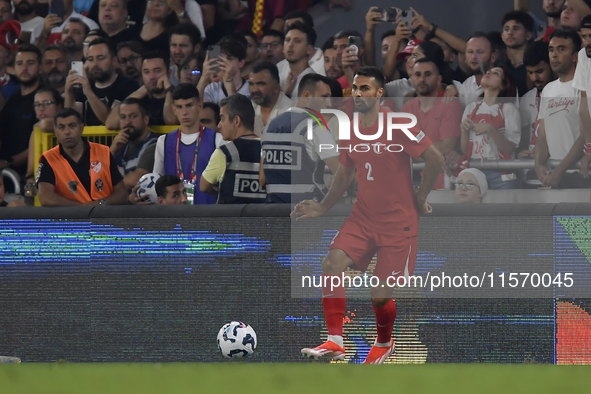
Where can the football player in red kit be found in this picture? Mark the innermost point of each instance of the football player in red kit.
(384, 219)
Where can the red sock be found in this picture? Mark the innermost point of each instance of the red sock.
(385, 317)
(334, 304)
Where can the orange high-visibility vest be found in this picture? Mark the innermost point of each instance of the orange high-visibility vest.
(101, 185)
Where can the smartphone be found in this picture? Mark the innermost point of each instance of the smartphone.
(214, 51)
(388, 14)
(541, 29)
(57, 7)
(406, 16)
(355, 43)
(78, 67)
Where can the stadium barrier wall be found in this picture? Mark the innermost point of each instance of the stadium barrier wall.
(155, 284)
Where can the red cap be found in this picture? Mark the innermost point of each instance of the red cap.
(408, 50)
(9, 33)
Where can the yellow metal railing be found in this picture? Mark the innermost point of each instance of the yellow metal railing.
(99, 134)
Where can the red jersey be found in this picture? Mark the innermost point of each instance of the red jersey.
(385, 201)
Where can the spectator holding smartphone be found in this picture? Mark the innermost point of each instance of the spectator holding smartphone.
(373, 18)
(50, 32)
(228, 67)
(398, 44)
(348, 56)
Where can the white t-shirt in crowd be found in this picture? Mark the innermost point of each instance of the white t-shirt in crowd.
(283, 103)
(316, 62)
(214, 92)
(283, 80)
(582, 79)
(186, 139)
(469, 91)
(484, 146)
(559, 108)
(528, 110)
(32, 24)
(398, 89)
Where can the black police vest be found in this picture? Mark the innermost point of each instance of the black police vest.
(241, 180)
(289, 170)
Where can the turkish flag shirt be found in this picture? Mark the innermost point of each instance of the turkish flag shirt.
(385, 201)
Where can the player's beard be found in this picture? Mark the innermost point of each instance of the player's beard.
(364, 104)
(588, 51)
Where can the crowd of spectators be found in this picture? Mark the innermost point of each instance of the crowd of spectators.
(223, 70)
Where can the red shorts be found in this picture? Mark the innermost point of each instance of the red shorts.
(396, 255)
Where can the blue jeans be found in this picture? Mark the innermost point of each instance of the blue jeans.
(493, 178)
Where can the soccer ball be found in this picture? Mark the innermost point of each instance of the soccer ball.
(237, 340)
(148, 187)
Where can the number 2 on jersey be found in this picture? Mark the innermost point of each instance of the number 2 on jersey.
(368, 167)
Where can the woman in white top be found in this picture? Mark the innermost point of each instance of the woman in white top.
(491, 127)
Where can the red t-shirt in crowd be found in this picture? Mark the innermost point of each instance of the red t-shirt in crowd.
(385, 201)
(440, 122)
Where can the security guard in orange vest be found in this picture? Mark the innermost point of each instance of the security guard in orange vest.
(77, 172)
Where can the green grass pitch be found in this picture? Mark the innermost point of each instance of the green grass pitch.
(292, 378)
